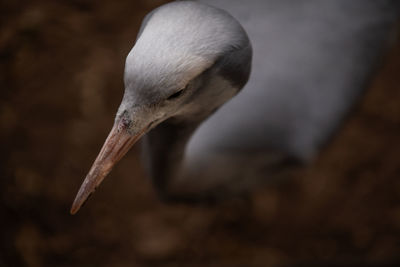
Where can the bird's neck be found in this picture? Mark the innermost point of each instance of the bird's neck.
(163, 149)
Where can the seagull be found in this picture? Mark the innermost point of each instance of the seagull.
(227, 95)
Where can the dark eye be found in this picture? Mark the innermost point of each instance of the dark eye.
(175, 95)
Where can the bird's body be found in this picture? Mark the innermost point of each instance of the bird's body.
(311, 61)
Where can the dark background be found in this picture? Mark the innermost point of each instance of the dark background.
(61, 67)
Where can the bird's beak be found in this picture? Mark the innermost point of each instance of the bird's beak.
(117, 144)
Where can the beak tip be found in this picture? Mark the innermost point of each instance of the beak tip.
(80, 199)
(74, 208)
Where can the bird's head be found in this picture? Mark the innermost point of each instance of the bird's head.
(189, 58)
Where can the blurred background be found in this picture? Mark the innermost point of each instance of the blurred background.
(61, 68)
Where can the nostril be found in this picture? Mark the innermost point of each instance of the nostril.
(125, 121)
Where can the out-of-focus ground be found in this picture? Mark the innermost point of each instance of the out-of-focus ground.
(61, 65)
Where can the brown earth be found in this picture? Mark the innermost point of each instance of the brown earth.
(61, 83)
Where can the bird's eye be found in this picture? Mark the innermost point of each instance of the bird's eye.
(175, 95)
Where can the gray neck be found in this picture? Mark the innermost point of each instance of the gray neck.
(163, 149)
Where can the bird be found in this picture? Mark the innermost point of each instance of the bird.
(226, 95)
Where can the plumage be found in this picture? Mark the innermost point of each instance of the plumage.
(205, 135)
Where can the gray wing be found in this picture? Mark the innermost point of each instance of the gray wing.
(311, 62)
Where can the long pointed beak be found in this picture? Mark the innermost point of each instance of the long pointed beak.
(117, 144)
